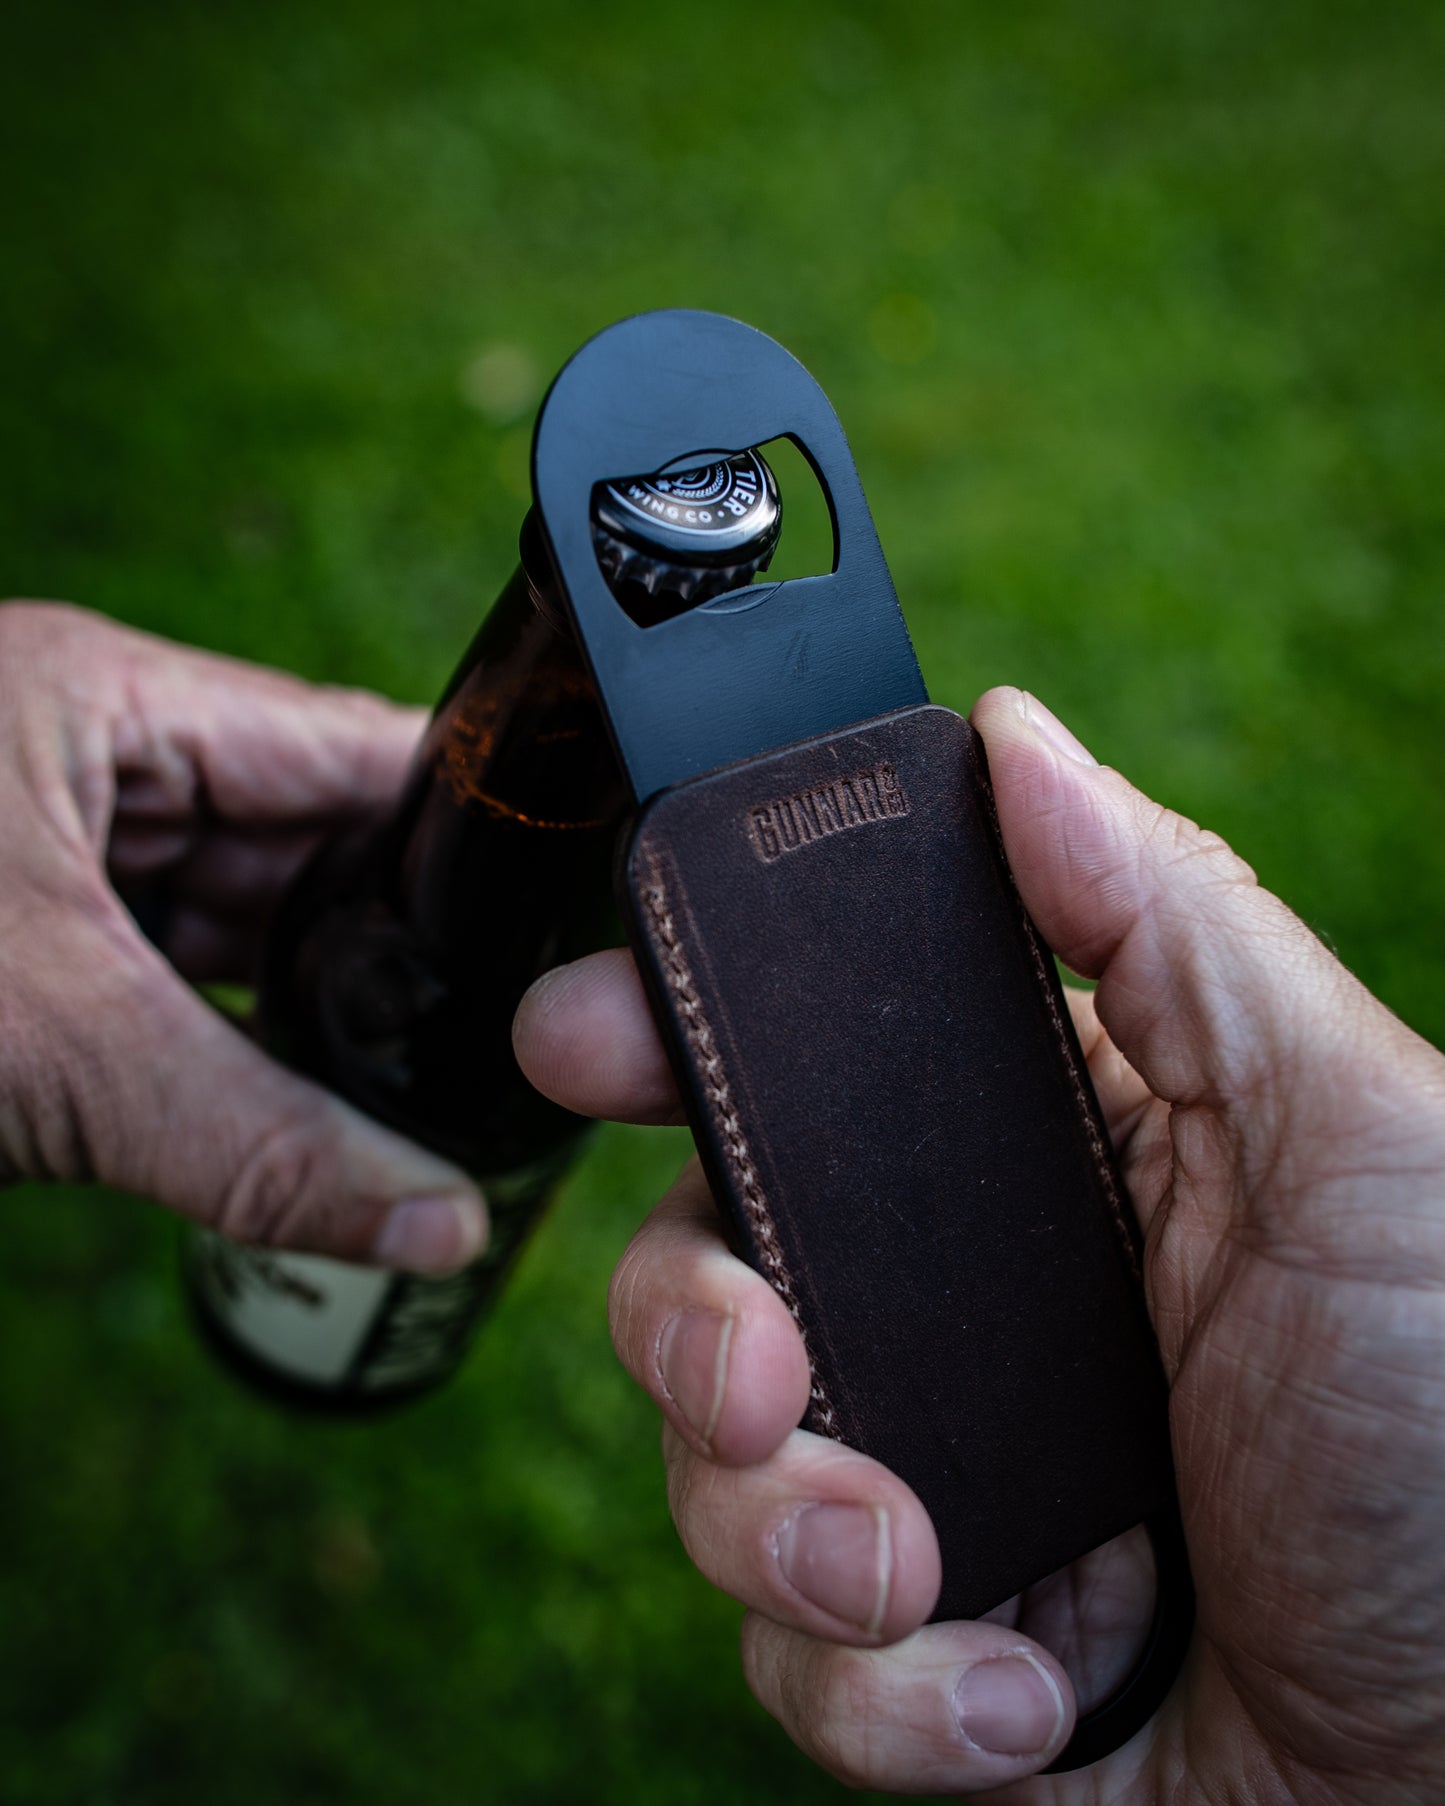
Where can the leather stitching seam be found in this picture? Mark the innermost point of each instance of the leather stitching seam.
(707, 1063)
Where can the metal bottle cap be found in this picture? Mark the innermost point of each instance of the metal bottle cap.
(691, 534)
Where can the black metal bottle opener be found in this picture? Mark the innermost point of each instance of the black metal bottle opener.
(872, 1043)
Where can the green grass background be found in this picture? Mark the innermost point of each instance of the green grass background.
(1134, 316)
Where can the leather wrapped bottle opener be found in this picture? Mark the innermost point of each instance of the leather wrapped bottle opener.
(871, 1040)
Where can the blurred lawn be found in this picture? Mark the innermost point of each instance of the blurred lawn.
(1134, 316)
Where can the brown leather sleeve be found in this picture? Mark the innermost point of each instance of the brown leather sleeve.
(890, 1102)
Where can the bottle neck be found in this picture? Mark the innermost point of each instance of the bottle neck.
(515, 771)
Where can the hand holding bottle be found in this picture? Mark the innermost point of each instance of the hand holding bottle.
(129, 767)
(1283, 1136)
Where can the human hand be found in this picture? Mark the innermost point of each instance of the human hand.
(1283, 1138)
(127, 762)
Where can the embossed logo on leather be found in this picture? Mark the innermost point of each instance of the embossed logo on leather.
(789, 823)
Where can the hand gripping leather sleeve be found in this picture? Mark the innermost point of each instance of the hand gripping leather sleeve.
(895, 1115)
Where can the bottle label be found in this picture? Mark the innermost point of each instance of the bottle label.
(339, 1328)
(304, 1315)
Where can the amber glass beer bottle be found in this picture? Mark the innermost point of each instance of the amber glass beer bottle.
(397, 961)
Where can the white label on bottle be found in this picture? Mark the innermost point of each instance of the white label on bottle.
(300, 1313)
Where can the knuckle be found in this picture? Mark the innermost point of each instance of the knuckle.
(20, 617)
(48, 1116)
(682, 1492)
(1173, 841)
(841, 1718)
(837, 1724)
(66, 1090)
(707, 1527)
(26, 624)
(626, 1295)
(821, 1693)
(283, 1190)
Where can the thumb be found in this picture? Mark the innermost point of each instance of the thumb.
(1208, 984)
(145, 1087)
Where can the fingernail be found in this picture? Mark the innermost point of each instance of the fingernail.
(431, 1235)
(1008, 1706)
(692, 1357)
(1048, 727)
(841, 1558)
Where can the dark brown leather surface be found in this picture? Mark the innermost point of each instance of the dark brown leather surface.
(895, 1115)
